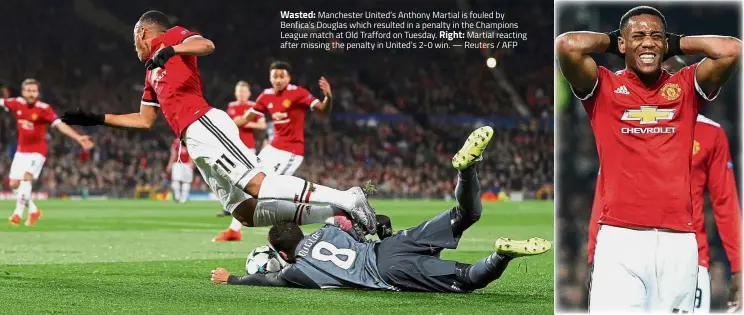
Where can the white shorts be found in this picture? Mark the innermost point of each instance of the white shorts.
(279, 161)
(26, 163)
(702, 296)
(181, 172)
(643, 271)
(224, 162)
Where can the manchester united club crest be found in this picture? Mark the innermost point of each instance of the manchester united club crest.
(34, 116)
(671, 91)
(695, 147)
(286, 103)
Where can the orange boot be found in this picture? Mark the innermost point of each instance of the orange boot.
(228, 236)
(33, 217)
(14, 219)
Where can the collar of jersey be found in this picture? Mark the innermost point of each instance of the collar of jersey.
(632, 76)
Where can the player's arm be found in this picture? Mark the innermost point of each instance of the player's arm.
(222, 276)
(172, 159)
(142, 120)
(254, 112)
(327, 102)
(243, 121)
(725, 199)
(722, 59)
(3, 105)
(580, 70)
(65, 129)
(194, 46)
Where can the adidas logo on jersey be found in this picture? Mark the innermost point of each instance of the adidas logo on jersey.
(622, 90)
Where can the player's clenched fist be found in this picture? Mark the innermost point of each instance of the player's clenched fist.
(160, 58)
(78, 117)
(220, 275)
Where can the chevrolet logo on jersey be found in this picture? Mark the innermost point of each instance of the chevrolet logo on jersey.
(647, 115)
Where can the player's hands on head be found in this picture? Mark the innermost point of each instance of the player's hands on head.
(614, 47)
(160, 58)
(220, 275)
(673, 46)
(325, 86)
(78, 117)
(734, 298)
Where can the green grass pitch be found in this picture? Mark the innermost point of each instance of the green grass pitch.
(155, 257)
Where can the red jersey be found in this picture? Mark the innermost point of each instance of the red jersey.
(31, 122)
(177, 89)
(644, 139)
(287, 109)
(711, 167)
(238, 109)
(184, 156)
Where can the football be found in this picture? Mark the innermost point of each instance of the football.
(264, 259)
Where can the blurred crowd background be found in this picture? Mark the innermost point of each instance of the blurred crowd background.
(577, 156)
(398, 115)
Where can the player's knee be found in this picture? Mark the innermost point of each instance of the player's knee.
(14, 183)
(254, 185)
(28, 176)
(245, 211)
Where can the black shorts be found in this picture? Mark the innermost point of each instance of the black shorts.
(409, 260)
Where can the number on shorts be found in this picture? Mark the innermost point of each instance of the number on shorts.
(698, 297)
(223, 161)
(334, 256)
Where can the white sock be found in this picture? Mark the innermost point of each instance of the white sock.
(274, 211)
(297, 190)
(24, 193)
(235, 225)
(19, 203)
(185, 189)
(176, 187)
(32, 206)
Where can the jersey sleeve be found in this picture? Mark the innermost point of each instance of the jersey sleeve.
(592, 99)
(290, 276)
(180, 34)
(50, 116)
(725, 200)
(149, 97)
(9, 103)
(706, 96)
(260, 106)
(305, 98)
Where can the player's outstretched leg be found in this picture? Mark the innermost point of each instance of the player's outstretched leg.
(254, 213)
(488, 269)
(220, 154)
(297, 190)
(467, 192)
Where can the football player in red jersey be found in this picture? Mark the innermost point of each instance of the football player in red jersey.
(173, 84)
(287, 104)
(643, 119)
(712, 167)
(237, 111)
(32, 117)
(182, 171)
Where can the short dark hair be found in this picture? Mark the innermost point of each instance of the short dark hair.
(281, 65)
(156, 18)
(285, 236)
(640, 10)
